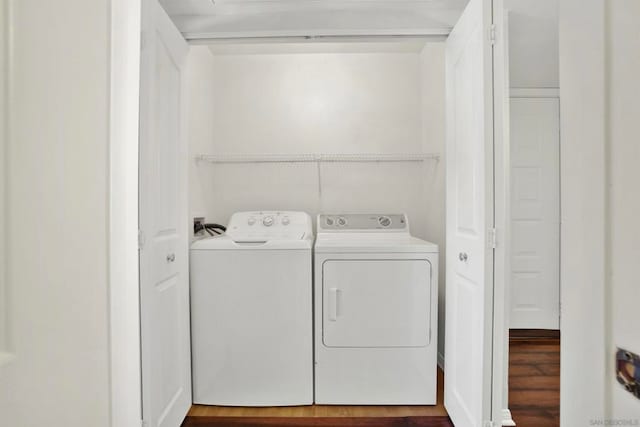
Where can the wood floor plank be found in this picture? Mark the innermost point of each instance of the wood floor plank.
(549, 368)
(534, 358)
(533, 334)
(524, 371)
(546, 382)
(530, 348)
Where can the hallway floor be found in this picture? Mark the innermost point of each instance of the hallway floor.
(534, 381)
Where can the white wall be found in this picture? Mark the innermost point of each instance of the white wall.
(623, 69)
(433, 131)
(599, 66)
(4, 108)
(533, 43)
(583, 163)
(57, 206)
(200, 129)
(320, 102)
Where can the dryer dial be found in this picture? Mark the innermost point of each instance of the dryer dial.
(384, 221)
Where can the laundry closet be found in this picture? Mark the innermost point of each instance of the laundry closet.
(323, 125)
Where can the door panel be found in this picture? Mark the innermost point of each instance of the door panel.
(535, 211)
(376, 303)
(469, 261)
(164, 285)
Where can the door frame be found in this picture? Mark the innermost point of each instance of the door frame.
(125, 366)
(124, 302)
(501, 415)
(538, 93)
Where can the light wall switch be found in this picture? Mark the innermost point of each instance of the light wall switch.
(628, 371)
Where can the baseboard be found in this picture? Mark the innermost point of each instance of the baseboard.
(441, 361)
(507, 420)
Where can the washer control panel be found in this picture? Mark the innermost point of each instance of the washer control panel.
(362, 222)
(269, 225)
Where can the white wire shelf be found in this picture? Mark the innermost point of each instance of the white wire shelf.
(316, 158)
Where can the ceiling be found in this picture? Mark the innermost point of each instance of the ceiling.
(207, 19)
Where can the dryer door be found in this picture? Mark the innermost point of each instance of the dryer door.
(376, 303)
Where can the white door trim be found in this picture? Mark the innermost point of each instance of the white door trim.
(502, 215)
(126, 398)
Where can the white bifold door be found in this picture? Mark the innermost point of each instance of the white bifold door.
(164, 274)
(470, 390)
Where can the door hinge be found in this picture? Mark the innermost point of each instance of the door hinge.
(492, 34)
(493, 239)
(141, 240)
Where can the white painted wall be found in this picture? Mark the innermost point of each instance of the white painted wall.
(583, 162)
(599, 90)
(201, 133)
(57, 211)
(293, 98)
(320, 102)
(623, 196)
(533, 43)
(433, 141)
(4, 108)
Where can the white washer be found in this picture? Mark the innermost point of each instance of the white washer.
(251, 312)
(376, 295)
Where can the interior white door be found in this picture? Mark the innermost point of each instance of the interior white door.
(470, 218)
(535, 213)
(164, 277)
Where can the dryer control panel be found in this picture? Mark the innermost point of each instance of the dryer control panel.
(363, 222)
(269, 225)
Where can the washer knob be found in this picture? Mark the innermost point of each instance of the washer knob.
(251, 221)
(285, 220)
(329, 221)
(342, 221)
(267, 221)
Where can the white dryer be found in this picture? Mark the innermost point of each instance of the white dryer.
(376, 296)
(251, 312)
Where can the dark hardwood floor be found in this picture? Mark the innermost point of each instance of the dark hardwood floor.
(534, 381)
(318, 422)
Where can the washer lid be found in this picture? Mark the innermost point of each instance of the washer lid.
(225, 243)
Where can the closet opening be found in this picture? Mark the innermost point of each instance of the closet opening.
(352, 134)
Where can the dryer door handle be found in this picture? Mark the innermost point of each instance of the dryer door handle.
(333, 304)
